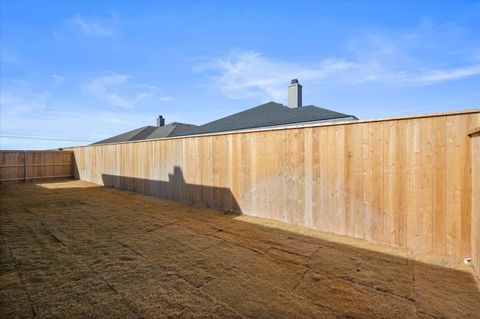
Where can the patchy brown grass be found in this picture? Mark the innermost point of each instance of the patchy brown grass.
(73, 250)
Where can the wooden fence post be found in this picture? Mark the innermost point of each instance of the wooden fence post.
(25, 165)
(475, 207)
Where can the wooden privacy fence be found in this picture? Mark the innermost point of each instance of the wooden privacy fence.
(402, 182)
(18, 166)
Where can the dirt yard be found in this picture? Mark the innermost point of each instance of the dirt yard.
(74, 250)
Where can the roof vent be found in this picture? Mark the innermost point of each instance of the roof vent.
(160, 121)
(294, 94)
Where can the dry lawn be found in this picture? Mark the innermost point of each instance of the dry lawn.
(73, 250)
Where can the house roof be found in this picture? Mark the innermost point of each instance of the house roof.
(265, 115)
(268, 114)
(148, 132)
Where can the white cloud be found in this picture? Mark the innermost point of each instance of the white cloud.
(433, 76)
(29, 109)
(425, 54)
(108, 87)
(249, 74)
(74, 123)
(26, 112)
(101, 88)
(21, 101)
(57, 79)
(94, 27)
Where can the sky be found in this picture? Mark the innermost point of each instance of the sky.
(76, 72)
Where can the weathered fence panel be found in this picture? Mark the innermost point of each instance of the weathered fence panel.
(402, 182)
(18, 166)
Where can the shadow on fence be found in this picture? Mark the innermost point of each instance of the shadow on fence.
(177, 189)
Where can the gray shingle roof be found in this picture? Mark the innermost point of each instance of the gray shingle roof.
(147, 132)
(268, 114)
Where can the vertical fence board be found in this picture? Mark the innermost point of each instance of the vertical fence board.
(439, 184)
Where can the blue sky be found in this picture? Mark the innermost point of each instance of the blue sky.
(84, 71)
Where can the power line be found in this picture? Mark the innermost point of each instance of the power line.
(25, 137)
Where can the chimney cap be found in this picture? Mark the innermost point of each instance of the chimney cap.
(294, 81)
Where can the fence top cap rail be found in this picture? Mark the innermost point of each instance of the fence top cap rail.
(296, 126)
(36, 151)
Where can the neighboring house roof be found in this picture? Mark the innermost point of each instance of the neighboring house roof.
(265, 115)
(171, 129)
(268, 114)
(148, 132)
